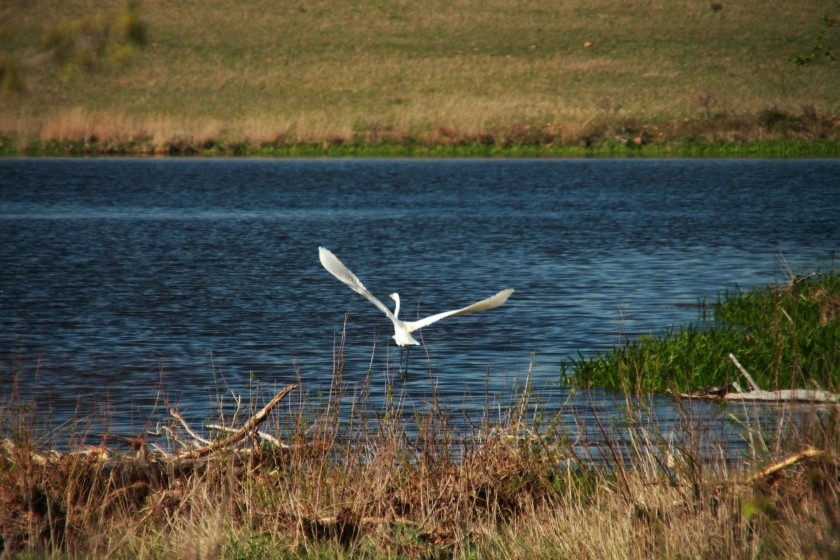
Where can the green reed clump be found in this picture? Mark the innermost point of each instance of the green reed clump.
(792, 329)
(785, 335)
(680, 359)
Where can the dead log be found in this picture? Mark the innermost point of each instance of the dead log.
(757, 394)
(782, 395)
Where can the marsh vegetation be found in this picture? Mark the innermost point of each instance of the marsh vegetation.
(786, 334)
(301, 478)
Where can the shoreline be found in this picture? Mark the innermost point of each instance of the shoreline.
(685, 148)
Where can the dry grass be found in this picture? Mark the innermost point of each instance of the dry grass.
(321, 71)
(353, 481)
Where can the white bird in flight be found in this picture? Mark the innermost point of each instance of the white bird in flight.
(402, 329)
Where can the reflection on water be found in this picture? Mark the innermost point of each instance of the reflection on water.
(128, 285)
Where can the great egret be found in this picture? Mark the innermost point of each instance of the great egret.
(402, 329)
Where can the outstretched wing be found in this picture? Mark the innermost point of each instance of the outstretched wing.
(337, 269)
(483, 305)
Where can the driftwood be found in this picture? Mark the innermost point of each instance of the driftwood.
(133, 477)
(757, 394)
(239, 434)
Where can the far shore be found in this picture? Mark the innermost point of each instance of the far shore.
(793, 138)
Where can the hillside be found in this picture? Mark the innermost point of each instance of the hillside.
(233, 76)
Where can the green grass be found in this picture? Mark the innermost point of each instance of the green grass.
(261, 75)
(786, 336)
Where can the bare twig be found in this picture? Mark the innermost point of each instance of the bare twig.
(166, 431)
(159, 450)
(180, 419)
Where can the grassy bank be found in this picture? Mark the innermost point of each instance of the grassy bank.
(317, 485)
(384, 78)
(785, 335)
(361, 145)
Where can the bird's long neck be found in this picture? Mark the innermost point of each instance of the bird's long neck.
(397, 308)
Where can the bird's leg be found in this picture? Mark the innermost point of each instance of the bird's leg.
(404, 351)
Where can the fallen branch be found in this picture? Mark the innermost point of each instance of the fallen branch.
(11, 452)
(179, 418)
(792, 460)
(753, 385)
(240, 434)
(756, 393)
(782, 395)
(126, 465)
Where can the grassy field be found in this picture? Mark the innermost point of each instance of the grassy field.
(487, 77)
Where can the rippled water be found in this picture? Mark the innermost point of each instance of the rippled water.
(122, 280)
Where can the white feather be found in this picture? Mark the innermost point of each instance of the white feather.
(402, 329)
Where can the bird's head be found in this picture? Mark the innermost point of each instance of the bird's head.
(396, 297)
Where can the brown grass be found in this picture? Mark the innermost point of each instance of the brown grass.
(375, 482)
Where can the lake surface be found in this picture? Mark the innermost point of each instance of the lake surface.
(130, 284)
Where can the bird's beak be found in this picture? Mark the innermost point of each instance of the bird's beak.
(392, 296)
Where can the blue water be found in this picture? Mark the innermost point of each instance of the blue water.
(127, 284)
